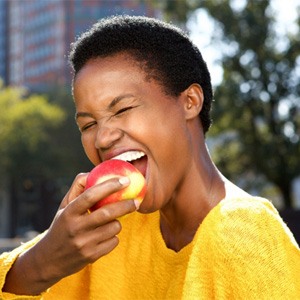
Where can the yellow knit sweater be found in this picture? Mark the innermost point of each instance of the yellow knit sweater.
(242, 250)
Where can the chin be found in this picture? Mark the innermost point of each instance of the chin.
(148, 207)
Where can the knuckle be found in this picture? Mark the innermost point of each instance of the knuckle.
(88, 197)
(73, 231)
(94, 256)
(82, 248)
(78, 245)
(117, 227)
(81, 175)
(130, 205)
(80, 179)
(113, 243)
(71, 225)
(105, 214)
(87, 194)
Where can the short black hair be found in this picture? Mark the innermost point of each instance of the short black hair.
(166, 53)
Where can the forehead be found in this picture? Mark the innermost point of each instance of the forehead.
(111, 72)
(116, 62)
(102, 79)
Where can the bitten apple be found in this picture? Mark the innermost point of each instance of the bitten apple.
(115, 168)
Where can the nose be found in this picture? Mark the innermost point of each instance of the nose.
(107, 136)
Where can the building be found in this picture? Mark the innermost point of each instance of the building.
(40, 32)
(3, 40)
(35, 37)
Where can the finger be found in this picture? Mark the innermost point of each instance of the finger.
(77, 188)
(102, 233)
(110, 212)
(96, 193)
(85, 241)
(103, 248)
(78, 185)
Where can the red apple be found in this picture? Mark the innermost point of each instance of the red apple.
(116, 168)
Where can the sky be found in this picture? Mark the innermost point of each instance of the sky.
(286, 14)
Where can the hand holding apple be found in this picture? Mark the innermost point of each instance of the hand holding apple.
(115, 168)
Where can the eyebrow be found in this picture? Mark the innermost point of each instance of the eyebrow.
(117, 99)
(82, 114)
(113, 103)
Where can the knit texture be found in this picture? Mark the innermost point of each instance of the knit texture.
(6, 261)
(242, 250)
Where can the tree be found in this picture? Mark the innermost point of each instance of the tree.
(66, 138)
(25, 141)
(257, 105)
(24, 122)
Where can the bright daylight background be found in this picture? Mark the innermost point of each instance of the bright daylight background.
(285, 14)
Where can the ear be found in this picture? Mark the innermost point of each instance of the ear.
(193, 101)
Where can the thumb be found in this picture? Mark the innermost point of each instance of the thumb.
(77, 187)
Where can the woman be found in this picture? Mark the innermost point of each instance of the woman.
(142, 89)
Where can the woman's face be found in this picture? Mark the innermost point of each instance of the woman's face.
(121, 114)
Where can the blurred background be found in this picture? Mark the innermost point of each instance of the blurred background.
(251, 47)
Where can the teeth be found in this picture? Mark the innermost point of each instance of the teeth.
(130, 155)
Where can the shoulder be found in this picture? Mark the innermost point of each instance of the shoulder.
(232, 210)
(247, 221)
(248, 205)
(244, 243)
(248, 232)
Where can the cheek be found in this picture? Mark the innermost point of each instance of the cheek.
(91, 152)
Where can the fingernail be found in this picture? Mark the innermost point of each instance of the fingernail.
(137, 203)
(124, 180)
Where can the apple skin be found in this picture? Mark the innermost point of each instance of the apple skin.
(116, 168)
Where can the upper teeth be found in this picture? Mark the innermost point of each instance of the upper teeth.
(130, 155)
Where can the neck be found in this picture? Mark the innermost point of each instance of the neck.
(202, 189)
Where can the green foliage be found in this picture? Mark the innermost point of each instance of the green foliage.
(41, 153)
(175, 10)
(259, 96)
(66, 139)
(23, 126)
(256, 115)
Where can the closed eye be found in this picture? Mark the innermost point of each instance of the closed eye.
(87, 126)
(123, 110)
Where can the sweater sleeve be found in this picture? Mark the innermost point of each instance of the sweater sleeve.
(7, 259)
(246, 252)
(73, 287)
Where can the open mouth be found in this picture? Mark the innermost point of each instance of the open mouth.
(137, 158)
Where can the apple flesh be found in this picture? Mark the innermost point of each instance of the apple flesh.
(116, 168)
